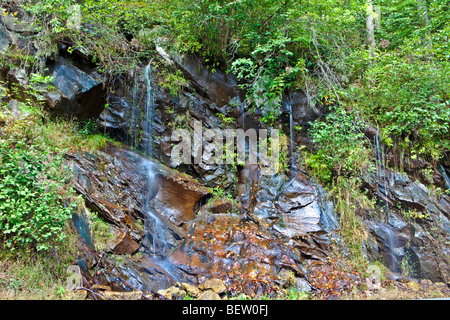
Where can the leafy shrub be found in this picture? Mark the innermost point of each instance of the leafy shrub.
(173, 81)
(32, 194)
(342, 149)
(267, 74)
(351, 203)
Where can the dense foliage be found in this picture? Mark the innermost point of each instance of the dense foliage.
(34, 198)
(275, 46)
(32, 209)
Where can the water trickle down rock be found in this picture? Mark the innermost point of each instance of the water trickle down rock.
(167, 113)
(416, 239)
(115, 183)
(125, 108)
(149, 109)
(446, 177)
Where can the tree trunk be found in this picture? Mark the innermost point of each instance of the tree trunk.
(370, 27)
(423, 10)
(377, 17)
(425, 20)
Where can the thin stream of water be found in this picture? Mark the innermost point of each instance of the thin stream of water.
(291, 142)
(149, 109)
(381, 168)
(155, 229)
(446, 178)
(159, 247)
(390, 241)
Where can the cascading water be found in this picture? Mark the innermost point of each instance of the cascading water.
(149, 109)
(381, 170)
(390, 241)
(158, 243)
(446, 178)
(243, 116)
(294, 168)
(291, 129)
(390, 238)
(153, 225)
(132, 134)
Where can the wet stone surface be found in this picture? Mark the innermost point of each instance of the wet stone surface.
(245, 256)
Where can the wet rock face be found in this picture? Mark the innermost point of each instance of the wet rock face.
(302, 112)
(218, 86)
(75, 93)
(126, 120)
(116, 183)
(298, 210)
(419, 244)
(176, 202)
(78, 95)
(118, 195)
(108, 193)
(125, 244)
(119, 110)
(292, 219)
(242, 254)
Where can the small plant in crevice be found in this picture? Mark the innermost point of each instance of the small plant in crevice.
(407, 265)
(89, 127)
(174, 81)
(350, 205)
(411, 215)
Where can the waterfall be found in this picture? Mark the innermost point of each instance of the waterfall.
(390, 241)
(291, 129)
(153, 225)
(149, 109)
(243, 116)
(446, 178)
(157, 240)
(381, 170)
(132, 134)
(379, 157)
